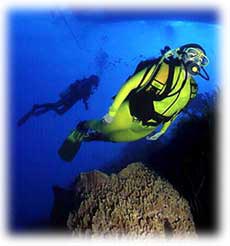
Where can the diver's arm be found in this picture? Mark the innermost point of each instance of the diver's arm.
(132, 83)
(164, 128)
(86, 103)
(194, 88)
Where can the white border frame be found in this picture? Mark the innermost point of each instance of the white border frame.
(223, 235)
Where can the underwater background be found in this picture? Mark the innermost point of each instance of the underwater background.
(49, 50)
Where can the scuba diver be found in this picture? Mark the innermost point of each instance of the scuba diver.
(79, 90)
(154, 95)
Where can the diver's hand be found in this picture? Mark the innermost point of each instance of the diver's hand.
(155, 136)
(107, 119)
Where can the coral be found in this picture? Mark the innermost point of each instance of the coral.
(136, 201)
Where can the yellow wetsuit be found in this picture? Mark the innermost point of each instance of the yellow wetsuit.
(126, 126)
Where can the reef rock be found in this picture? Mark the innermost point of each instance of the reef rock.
(136, 201)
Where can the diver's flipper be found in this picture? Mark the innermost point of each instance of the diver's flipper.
(34, 112)
(70, 146)
(24, 118)
(72, 143)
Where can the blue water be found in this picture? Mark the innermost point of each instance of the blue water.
(48, 50)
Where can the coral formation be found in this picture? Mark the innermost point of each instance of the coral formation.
(136, 201)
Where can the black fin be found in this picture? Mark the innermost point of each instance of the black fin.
(69, 149)
(23, 120)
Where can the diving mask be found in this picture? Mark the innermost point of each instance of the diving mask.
(195, 60)
(197, 56)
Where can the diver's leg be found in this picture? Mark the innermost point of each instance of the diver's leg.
(61, 110)
(122, 121)
(36, 110)
(92, 130)
(130, 135)
(122, 129)
(85, 131)
(61, 107)
(24, 118)
(39, 109)
(135, 132)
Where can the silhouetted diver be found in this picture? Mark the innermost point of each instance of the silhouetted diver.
(79, 90)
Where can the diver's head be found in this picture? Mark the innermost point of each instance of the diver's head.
(94, 81)
(194, 58)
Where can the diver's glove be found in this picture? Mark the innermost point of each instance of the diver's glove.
(107, 119)
(155, 136)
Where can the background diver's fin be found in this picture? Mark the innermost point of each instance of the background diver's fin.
(24, 118)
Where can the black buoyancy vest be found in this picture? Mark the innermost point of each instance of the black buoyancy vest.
(141, 102)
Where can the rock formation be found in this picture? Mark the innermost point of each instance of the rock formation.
(136, 201)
